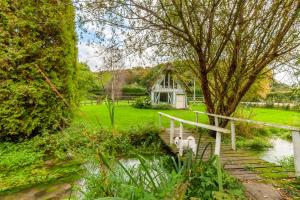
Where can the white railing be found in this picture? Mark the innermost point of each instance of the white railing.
(295, 133)
(219, 130)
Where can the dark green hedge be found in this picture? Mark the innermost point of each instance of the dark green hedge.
(36, 35)
(133, 90)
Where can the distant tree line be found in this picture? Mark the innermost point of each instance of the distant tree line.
(138, 81)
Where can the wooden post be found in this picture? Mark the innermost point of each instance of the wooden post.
(159, 120)
(171, 131)
(218, 139)
(197, 121)
(194, 96)
(233, 146)
(181, 130)
(296, 144)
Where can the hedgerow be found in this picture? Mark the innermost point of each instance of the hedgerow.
(38, 66)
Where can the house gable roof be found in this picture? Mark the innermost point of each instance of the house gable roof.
(168, 68)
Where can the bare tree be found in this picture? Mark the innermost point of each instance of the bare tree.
(113, 62)
(227, 44)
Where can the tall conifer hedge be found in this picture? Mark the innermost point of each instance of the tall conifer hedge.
(38, 66)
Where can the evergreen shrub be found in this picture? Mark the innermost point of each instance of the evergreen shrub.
(38, 66)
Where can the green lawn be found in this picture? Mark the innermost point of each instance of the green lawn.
(94, 116)
(284, 117)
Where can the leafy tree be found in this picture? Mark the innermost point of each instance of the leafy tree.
(260, 89)
(38, 59)
(228, 43)
(88, 82)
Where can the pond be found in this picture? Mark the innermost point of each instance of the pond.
(281, 148)
(56, 191)
(64, 190)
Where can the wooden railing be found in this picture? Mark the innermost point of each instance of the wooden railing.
(219, 130)
(294, 130)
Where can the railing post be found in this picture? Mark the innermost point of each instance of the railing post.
(171, 131)
(181, 130)
(296, 144)
(197, 120)
(233, 146)
(159, 120)
(218, 138)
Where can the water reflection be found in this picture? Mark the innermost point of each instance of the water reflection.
(281, 148)
(75, 189)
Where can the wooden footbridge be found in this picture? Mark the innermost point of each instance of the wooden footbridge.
(243, 165)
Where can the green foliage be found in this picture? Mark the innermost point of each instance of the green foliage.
(138, 138)
(145, 103)
(37, 41)
(155, 179)
(42, 159)
(133, 90)
(146, 180)
(205, 183)
(142, 102)
(110, 105)
(287, 162)
(53, 157)
(255, 144)
(88, 82)
(260, 88)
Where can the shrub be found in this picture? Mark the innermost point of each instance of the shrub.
(204, 183)
(155, 179)
(138, 138)
(287, 162)
(37, 46)
(146, 180)
(145, 103)
(133, 90)
(256, 144)
(142, 102)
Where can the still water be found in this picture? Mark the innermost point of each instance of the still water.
(74, 190)
(281, 148)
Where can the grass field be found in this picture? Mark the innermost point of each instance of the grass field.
(94, 116)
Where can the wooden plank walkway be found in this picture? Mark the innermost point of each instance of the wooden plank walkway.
(240, 164)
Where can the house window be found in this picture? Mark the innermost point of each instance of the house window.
(163, 97)
(167, 80)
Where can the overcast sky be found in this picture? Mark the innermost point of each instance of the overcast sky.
(93, 56)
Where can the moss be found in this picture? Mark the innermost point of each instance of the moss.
(281, 177)
(38, 175)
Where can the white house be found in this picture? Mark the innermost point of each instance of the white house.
(168, 89)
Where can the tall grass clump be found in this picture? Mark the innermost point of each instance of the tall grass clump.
(138, 139)
(287, 162)
(254, 144)
(110, 105)
(145, 180)
(162, 178)
(252, 136)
